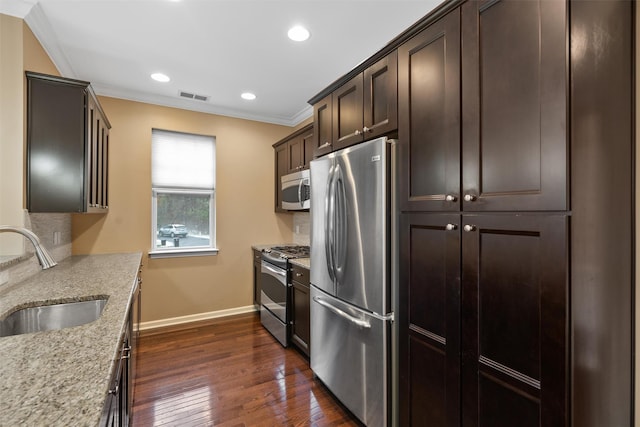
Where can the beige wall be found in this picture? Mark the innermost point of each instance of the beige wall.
(19, 51)
(244, 208)
(11, 132)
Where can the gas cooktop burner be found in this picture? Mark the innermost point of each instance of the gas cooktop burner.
(291, 251)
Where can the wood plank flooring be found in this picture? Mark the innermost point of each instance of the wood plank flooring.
(228, 372)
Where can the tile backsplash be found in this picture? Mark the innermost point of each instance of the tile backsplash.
(301, 228)
(54, 232)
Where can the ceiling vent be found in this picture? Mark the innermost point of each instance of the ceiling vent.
(194, 96)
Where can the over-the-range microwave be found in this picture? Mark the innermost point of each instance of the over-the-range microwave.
(296, 191)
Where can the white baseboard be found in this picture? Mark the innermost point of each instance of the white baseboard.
(173, 321)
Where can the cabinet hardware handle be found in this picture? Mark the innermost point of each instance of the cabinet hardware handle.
(469, 228)
(469, 198)
(114, 390)
(450, 198)
(357, 132)
(325, 145)
(451, 227)
(299, 275)
(366, 129)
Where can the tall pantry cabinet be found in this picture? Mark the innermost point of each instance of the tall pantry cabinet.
(516, 215)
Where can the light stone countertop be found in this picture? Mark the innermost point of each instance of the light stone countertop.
(302, 262)
(61, 378)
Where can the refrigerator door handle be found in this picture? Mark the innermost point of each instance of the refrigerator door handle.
(329, 224)
(336, 310)
(341, 223)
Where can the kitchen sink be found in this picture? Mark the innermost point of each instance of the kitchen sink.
(51, 317)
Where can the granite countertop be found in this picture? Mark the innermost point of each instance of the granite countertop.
(61, 378)
(302, 262)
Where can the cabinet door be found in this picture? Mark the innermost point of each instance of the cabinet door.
(257, 285)
(301, 325)
(105, 167)
(322, 127)
(429, 320)
(93, 120)
(55, 146)
(295, 157)
(380, 102)
(514, 82)
(281, 168)
(307, 142)
(514, 320)
(429, 118)
(347, 113)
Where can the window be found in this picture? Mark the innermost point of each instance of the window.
(183, 194)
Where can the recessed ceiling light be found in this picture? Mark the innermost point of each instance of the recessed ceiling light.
(159, 77)
(248, 96)
(298, 33)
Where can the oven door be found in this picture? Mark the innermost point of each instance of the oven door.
(273, 311)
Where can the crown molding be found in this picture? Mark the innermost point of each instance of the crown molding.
(17, 8)
(42, 30)
(198, 106)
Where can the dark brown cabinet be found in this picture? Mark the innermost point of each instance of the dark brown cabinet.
(429, 110)
(429, 318)
(323, 126)
(514, 87)
(516, 193)
(67, 147)
(281, 168)
(257, 286)
(292, 154)
(490, 322)
(119, 402)
(300, 149)
(362, 108)
(300, 308)
(514, 320)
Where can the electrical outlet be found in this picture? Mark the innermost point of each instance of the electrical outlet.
(4, 277)
(56, 238)
(297, 229)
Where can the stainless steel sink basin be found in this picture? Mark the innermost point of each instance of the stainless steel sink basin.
(50, 317)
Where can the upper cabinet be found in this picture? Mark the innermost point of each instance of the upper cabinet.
(292, 154)
(323, 126)
(514, 87)
(508, 138)
(360, 109)
(429, 110)
(67, 147)
(300, 150)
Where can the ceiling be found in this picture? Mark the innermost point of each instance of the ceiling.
(215, 48)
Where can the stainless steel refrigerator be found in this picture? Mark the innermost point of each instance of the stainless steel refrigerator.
(351, 307)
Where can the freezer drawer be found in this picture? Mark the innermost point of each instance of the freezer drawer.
(350, 354)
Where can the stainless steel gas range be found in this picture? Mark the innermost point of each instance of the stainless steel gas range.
(276, 293)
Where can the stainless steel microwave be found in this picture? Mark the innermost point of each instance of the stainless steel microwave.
(296, 191)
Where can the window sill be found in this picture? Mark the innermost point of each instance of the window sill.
(176, 253)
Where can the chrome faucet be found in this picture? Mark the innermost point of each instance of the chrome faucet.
(46, 260)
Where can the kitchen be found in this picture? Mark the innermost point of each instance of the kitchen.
(120, 231)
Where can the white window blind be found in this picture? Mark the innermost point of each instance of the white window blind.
(182, 160)
(183, 194)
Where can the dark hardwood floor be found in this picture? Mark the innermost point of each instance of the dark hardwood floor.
(228, 372)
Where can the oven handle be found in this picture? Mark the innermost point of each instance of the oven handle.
(336, 310)
(280, 275)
